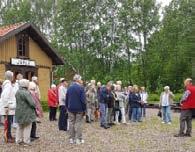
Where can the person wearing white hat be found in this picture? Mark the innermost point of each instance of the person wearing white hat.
(25, 113)
(166, 99)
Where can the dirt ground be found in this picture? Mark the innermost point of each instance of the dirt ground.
(148, 136)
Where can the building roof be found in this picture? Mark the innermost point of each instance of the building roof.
(10, 30)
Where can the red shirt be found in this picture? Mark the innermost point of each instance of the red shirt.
(52, 98)
(189, 103)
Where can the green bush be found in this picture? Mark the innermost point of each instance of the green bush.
(153, 98)
(178, 97)
(45, 106)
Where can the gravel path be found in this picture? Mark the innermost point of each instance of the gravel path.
(148, 136)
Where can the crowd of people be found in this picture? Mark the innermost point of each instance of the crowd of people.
(20, 107)
(110, 104)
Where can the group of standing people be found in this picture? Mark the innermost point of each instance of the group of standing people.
(110, 103)
(71, 100)
(20, 105)
(115, 102)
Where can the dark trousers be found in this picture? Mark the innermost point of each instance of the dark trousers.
(10, 120)
(33, 130)
(186, 118)
(52, 113)
(63, 117)
(143, 110)
(130, 113)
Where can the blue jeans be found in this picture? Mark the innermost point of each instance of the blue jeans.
(166, 111)
(136, 114)
(103, 117)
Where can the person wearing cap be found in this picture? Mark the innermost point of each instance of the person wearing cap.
(166, 99)
(25, 113)
(187, 104)
(8, 103)
(52, 102)
(63, 117)
(76, 105)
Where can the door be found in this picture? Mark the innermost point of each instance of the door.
(26, 71)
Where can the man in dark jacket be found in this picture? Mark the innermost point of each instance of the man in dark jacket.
(105, 95)
(76, 105)
(136, 104)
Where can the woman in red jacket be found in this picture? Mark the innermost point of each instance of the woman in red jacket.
(52, 102)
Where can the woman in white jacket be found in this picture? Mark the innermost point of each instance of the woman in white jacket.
(8, 102)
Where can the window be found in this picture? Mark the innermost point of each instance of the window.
(23, 45)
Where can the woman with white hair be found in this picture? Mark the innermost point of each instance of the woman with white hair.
(52, 102)
(38, 109)
(166, 99)
(25, 113)
(8, 103)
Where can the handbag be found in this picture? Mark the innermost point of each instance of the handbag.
(12, 105)
(159, 114)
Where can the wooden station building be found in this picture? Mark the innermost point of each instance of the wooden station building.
(24, 49)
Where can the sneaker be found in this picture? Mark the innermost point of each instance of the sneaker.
(27, 144)
(71, 141)
(169, 123)
(19, 142)
(79, 141)
(163, 122)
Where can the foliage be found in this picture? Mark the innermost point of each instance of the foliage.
(112, 40)
(45, 106)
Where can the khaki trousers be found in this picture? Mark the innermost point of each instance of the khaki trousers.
(76, 123)
(23, 133)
